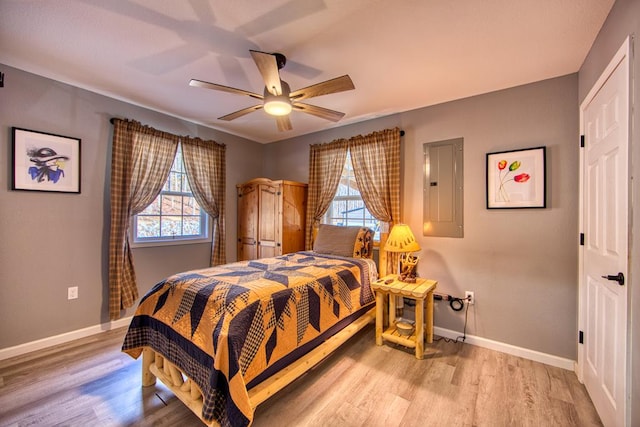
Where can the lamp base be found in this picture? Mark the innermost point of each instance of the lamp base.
(405, 278)
(408, 266)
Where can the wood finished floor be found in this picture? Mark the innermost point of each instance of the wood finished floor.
(91, 383)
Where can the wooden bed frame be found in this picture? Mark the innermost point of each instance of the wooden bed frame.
(155, 366)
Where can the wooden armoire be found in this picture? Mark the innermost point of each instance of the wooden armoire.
(271, 218)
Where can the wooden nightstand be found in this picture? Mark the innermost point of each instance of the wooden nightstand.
(421, 292)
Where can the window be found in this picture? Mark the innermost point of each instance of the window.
(347, 207)
(174, 216)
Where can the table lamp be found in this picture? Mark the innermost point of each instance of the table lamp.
(402, 240)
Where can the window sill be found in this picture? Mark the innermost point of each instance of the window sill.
(178, 242)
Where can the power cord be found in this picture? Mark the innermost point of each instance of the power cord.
(457, 301)
(456, 304)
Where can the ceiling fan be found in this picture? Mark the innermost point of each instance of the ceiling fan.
(278, 100)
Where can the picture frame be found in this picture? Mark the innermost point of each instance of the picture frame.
(517, 179)
(44, 162)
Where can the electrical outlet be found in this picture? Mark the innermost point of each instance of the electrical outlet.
(72, 292)
(470, 297)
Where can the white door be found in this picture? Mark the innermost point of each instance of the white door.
(603, 298)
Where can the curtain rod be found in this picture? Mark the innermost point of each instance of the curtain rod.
(111, 120)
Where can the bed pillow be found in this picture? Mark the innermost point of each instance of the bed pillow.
(343, 241)
(363, 246)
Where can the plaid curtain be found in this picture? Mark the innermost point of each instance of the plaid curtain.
(141, 159)
(326, 162)
(204, 162)
(376, 166)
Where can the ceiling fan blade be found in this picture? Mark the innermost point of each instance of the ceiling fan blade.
(322, 112)
(268, 67)
(284, 123)
(339, 84)
(240, 113)
(214, 86)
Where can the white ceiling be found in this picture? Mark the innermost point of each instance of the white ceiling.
(400, 54)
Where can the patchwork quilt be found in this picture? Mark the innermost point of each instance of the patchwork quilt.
(229, 327)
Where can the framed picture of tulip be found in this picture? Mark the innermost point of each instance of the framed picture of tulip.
(516, 179)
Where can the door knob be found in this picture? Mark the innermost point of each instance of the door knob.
(617, 278)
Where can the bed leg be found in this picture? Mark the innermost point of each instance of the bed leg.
(148, 379)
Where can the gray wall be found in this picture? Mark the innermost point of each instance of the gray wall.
(521, 264)
(623, 21)
(49, 241)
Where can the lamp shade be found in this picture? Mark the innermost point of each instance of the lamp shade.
(401, 239)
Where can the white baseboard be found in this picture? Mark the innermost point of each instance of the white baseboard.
(6, 353)
(549, 359)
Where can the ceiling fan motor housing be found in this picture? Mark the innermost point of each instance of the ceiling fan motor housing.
(278, 105)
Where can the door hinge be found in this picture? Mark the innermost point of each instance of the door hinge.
(581, 239)
(582, 141)
(580, 337)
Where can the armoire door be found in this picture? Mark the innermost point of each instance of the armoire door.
(268, 221)
(292, 217)
(248, 222)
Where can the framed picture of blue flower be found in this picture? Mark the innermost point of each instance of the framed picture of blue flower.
(45, 162)
(516, 179)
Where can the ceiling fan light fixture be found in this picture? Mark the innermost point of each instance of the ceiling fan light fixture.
(277, 105)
